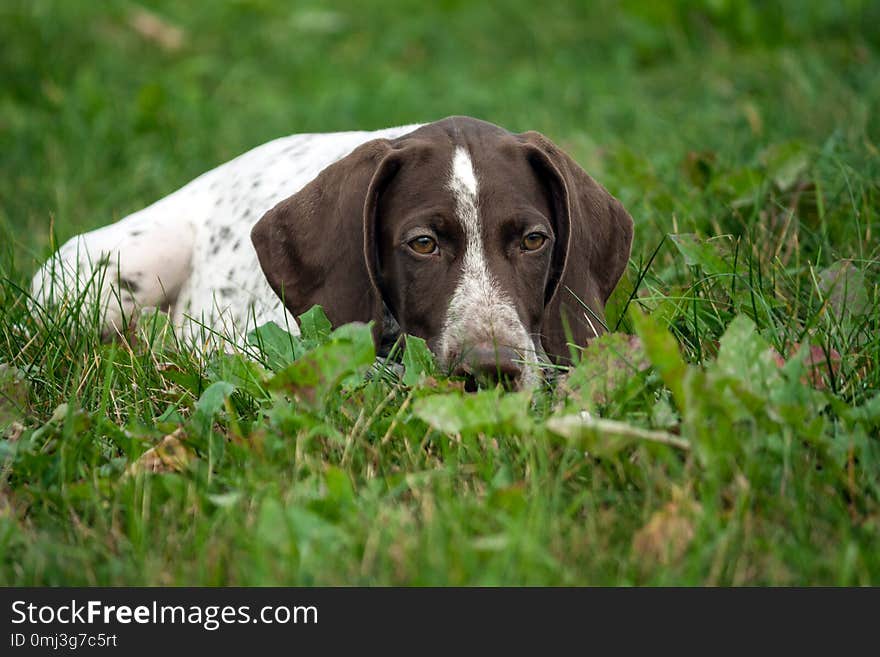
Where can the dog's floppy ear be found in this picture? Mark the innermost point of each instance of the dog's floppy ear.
(311, 245)
(598, 231)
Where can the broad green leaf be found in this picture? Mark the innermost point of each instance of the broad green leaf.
(746, 356)
(610, 364)
(510, 499)
(339, 497)
(243, 372)
(310, 529)
(339, 486)
(14, 390)
(785, 163)
(617, 303)
(279, 347)
(348, 351)
(662, 350)
(272, 527)
(417, 361)
(314, 325)
(699, 252)
(740, 186)
(208, 406)
(489, 411)
(867, 414)
(844, 287)
(663, 415)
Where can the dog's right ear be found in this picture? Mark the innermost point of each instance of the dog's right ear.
(599, 234)
(311, 245)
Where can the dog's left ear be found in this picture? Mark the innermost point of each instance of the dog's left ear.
(597, 232)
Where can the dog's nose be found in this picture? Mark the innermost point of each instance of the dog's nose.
(488, 365)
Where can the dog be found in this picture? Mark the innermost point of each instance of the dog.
(496, 248)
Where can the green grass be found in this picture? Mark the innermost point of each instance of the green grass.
(735, 443)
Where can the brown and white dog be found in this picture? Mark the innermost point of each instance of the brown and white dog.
(496, 248)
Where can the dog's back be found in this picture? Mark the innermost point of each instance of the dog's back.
(190, 252)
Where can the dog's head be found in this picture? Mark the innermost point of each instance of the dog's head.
(496, 248)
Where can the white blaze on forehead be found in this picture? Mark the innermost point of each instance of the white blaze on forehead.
(479, 311)
(464, 180)
(463, 184)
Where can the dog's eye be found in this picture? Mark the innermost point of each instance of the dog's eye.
(423, 244)
(533, 241)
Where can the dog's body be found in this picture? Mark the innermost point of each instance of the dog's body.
(489, 245)
(191, 251)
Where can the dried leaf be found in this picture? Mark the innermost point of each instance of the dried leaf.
(753, 117)
(13, 431)
(666, 536)
(156, 29)
(170, 455)
(602, 437)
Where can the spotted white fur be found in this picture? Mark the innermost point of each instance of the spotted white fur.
(190, 252)
(479, 313)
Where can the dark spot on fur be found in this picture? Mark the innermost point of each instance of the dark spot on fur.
(227, 291)
(236, 245)
(246, 213)
(130, 285)
(135, 233)
(215, 249)
(256, 183)
(225, 232)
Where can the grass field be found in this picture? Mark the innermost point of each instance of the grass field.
(735, 443)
